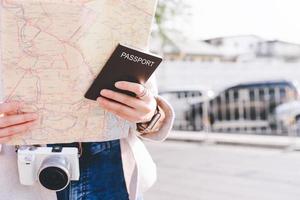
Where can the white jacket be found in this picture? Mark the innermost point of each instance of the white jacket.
(139, 168)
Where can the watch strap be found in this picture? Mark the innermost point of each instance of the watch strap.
(150, 126)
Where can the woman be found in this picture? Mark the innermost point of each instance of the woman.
(114, 170)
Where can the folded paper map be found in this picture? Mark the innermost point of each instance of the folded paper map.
(51, 51)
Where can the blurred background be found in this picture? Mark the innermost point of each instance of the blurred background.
(231, 73)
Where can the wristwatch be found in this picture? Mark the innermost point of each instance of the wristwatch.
(147, 127)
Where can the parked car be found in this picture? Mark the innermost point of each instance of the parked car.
(249, 107)
(288, 117)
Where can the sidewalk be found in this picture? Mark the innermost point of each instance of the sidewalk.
(189, 171)
(238, 139)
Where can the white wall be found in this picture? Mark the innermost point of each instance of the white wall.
(220, 75)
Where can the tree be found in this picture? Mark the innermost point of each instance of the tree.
(167, 11)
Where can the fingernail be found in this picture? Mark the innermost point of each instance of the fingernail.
(99, 99)
(118, 84)
(103, 92)
(34, 116)
(35, 122)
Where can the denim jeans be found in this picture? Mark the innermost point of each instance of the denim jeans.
(101, 174)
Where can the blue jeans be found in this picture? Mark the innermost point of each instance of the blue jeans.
(101, 174)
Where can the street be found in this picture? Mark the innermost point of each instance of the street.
(194, 171)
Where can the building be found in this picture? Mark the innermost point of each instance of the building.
(243, 48)
(285, 51)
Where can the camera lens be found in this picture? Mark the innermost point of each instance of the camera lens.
(54, 178)
(54, 173)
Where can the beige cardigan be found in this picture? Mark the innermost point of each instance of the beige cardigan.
(139, 168)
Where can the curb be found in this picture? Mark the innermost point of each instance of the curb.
(281, 142)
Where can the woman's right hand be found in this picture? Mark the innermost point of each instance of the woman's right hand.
(12, 121)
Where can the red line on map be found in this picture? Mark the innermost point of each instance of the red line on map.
(138, 8)
(13, 90)
(65, 61)
(77, 30)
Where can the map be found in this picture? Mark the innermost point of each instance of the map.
(51, 51)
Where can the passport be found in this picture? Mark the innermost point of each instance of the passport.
(125, 64)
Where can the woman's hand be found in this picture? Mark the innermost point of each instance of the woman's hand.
(13, 122)
(134, 109)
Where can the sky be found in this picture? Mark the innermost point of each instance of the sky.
(270, 19)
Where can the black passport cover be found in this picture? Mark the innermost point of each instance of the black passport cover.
(125, 64)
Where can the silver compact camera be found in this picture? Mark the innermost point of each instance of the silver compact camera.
(52, 167)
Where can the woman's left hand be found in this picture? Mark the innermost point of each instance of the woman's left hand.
(134, 109)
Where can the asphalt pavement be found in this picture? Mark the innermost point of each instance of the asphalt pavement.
(195, 171)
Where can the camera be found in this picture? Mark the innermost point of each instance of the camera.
(52, 167)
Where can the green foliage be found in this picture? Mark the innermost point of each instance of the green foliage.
(167, 11)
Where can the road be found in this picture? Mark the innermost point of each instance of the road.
(193, 171)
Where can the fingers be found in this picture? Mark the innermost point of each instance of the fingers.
(6, 133)
(136, 88)
(12, 122)
(10, 107)
(127, 107)
(130, 101)
(17, 119)
(122, 111)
